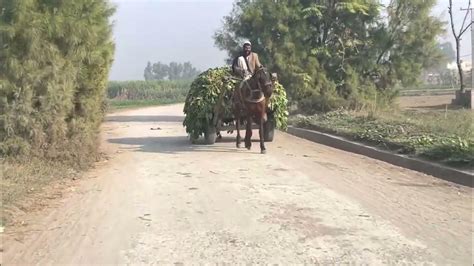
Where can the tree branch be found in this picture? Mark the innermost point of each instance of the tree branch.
(385, 50)
(467, 27)
(465, 17)
(450, 10)
(394, 24)
(331, 13)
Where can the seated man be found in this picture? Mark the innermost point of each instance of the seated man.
(246, 63)
(244, 66)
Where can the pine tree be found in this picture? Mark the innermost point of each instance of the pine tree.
(56, 57)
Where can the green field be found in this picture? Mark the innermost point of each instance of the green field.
(132, 94)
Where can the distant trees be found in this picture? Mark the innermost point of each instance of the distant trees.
(172, 71)
(448, 51)
(439, 73)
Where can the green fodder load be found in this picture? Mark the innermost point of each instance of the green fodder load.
(279, 106)
(215, 86)
(202, 99)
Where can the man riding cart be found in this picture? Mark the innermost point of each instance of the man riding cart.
(246, 63)
(245, 66)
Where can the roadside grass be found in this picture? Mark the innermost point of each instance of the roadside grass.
(22, 179)
(444, 136)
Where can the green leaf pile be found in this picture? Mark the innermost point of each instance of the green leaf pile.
(279, 106)
(211, 92)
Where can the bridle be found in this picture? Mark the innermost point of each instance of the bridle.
(259, 88)
(267, 84)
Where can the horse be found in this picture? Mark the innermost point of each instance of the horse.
(250, 101)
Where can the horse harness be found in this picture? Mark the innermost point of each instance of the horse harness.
(253, 92)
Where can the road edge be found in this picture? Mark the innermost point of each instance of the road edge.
(437, 170)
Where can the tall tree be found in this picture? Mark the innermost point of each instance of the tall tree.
(148, 72)
(409, 44)
(160, 71)
(189, 72)
(175, 71)
(457, 39)
(55, 58)
(329, 49)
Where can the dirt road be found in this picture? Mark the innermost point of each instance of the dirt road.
(161, 200)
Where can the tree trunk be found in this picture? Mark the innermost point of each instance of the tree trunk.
(458, 44)
(458, 62)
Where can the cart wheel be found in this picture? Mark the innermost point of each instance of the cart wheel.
(210, 136)
(268, 130)
(193, 140)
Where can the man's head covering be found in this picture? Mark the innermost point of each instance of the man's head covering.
(247, 42)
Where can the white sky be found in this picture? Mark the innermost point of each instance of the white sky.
(166, 30)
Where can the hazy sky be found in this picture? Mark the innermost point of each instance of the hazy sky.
(165, 30)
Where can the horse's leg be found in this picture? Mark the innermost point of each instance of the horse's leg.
(248, 132)
(237, 128)
(219, 123)
(260, 132)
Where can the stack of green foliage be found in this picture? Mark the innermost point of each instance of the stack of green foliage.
(279, 106)
(55, 58)
(211, 92)
(337, 53)
(203, 98)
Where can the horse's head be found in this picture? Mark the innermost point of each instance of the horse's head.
(265, 82)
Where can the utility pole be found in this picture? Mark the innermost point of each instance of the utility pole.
(472, 44)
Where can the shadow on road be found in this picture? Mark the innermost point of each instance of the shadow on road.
(180, 144)
(145, 118)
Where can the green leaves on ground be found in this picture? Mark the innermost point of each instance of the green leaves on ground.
(449, 140)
